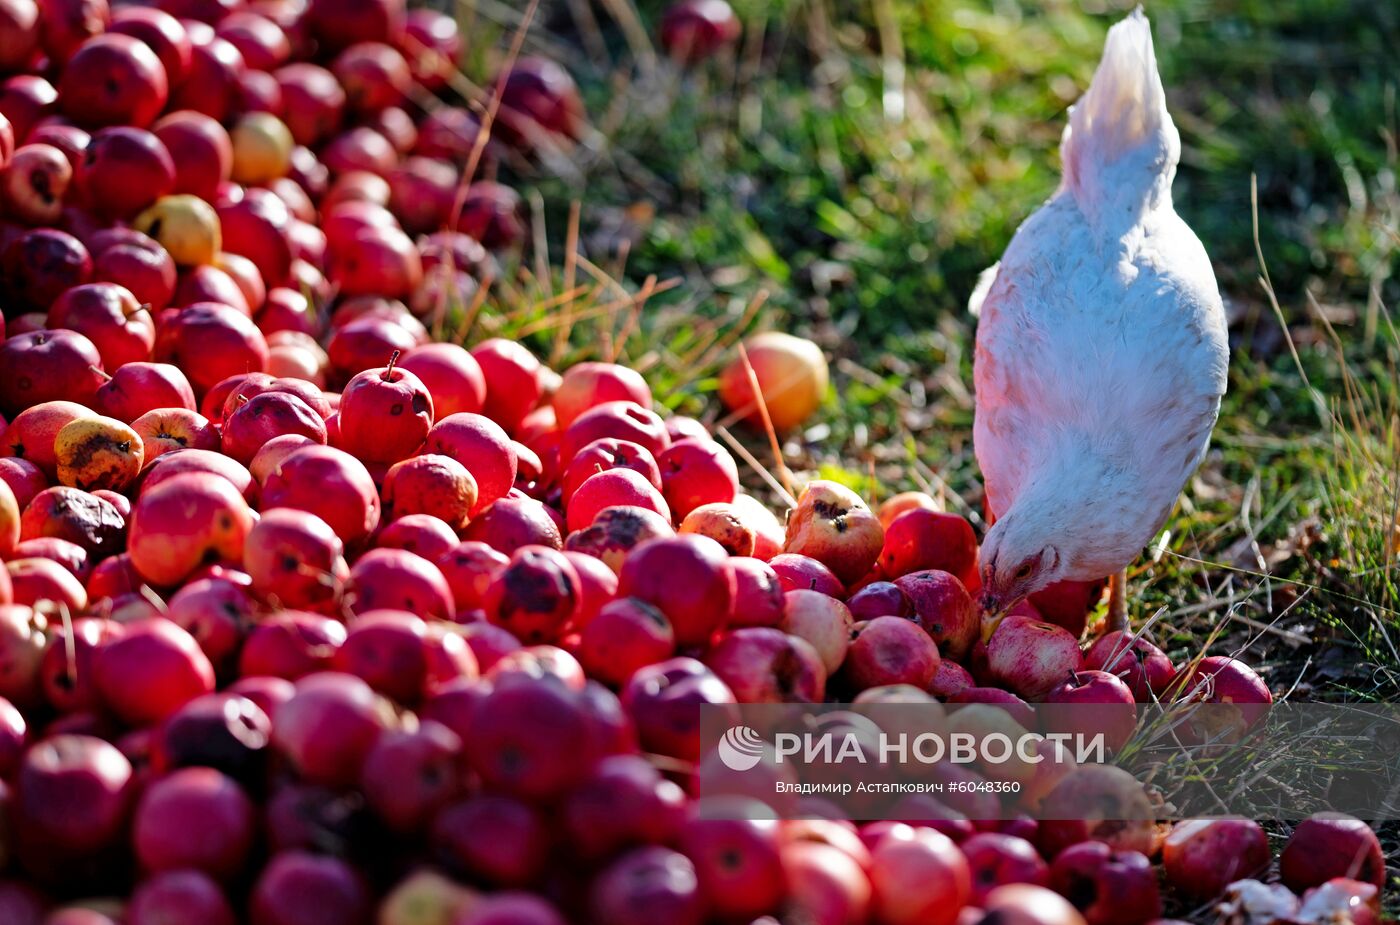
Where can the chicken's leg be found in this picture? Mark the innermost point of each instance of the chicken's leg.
(1118, 601)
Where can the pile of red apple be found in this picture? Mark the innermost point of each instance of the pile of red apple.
(306, 620)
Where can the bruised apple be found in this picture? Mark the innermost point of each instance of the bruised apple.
(833, 525)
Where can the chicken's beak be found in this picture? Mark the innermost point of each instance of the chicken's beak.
(993, 612)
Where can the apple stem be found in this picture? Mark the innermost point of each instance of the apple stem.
(143, 307)
(106, 376)
(1073, 676)
(388, 374)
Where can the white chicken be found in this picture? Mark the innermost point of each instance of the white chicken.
(1101, 348)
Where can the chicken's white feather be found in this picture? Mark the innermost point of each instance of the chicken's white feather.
(1101, 344)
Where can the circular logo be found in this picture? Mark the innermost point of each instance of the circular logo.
(740, 748)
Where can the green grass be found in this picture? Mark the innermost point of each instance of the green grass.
(861, 163)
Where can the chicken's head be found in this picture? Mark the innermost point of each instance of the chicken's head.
(1017, 561)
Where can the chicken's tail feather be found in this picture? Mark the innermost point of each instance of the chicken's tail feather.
(1120, 141)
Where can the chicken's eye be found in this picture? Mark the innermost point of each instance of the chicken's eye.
(1023, 572)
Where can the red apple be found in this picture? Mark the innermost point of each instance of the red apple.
(685, 577)
(493, 214)
(626, 635)
(47, 366)
(217, 612)
(647, 884)
(1328, 845)
(24, 479)
(693, 30)
(211, 85)
(258, 226)
(822, 621)
(360, 149)
(34, 181)
(290, 644)
(150, 671)
(1027, 904)
(604, 455)
(540, 102)
(995, 859)
(137, 388)
(621, 420)
(529, 738)
(337, 24)
(331, 484)
(1109, 887)
(479, 444)
(920, 539)
(1096, 802)
(827, 885)
(919, 876)
(469, 568)
(138, 263)
(799, 572)
(23, 638)
(1202, 856)
(295, 559)
(208, 283)
(69, 555)
(1031, 657)
(496, 839)
(620, 487)
(19, 34)
(26, 99)
(879, 599)
(735, 846)
(421, 534)
(194, 818)
(1091, 703)
(663, 699)
(184, 521)
(624, 802)
(536, 596)
(297, 888)
(71, 802)
(430, 484)
(374, 76)
(409, 776)
(385, 414)
(890, 650)
(262, 42)
(162, 32)
(210, 342)
(329, 727)
(758, 596)
(125, 170)
(1067, 603)
(451, 375)
(313, 101)
(179, 896)
(763, 665)
(944, 609)
(1138, 663)
(1236, 697)
(512, 380)
(113, 79)
(43, 583)
(399, 580)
